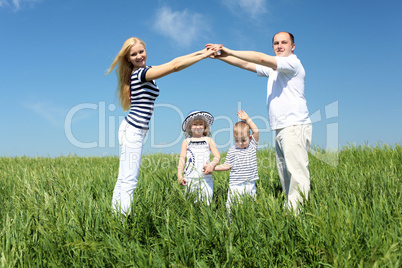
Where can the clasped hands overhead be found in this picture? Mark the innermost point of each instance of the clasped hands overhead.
(218, 50)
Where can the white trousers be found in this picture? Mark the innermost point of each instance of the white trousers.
(292, 146)
(131, 142)
(238, 190)
(203, 186)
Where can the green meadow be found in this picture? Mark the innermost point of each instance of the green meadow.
(56, 212)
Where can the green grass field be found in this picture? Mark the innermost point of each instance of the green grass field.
(56, 212)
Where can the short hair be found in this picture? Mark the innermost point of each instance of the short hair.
(241, 128)
(292, 38)
(207, 129)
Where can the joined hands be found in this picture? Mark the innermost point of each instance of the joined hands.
(218, 49)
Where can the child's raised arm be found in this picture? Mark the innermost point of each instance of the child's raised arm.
(182, 161)
(244, 116)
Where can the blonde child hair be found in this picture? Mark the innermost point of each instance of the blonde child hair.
(241, 128)
(198, 119)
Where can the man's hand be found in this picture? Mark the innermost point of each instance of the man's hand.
(216, 48)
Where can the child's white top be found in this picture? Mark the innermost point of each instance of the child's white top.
(198, 154)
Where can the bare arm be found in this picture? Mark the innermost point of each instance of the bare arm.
(225, 57)
(245, 59)
(222, 167)
(177, 64)
(244, 116)
(254, 57)
(182, 160)
(217, 157)
(249, 66)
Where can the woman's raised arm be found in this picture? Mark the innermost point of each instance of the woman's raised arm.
(178, 64)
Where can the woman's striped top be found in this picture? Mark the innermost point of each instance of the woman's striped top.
(143, 95)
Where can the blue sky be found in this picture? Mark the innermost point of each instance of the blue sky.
(57, 101)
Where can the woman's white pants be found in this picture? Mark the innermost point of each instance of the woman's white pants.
(131, 141)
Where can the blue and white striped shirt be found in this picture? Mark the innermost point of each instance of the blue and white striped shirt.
(143, 95)
(243, 163)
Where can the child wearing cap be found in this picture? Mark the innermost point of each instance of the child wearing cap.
(241, 159)
(197, 148)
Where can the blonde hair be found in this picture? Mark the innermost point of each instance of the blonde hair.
(241, 128)
(207, 129)
(124, 68)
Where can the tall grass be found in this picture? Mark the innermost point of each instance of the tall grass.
(56, 212)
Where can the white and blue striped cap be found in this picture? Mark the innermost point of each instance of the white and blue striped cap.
(195, 113)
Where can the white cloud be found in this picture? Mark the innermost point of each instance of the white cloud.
(3, 3)
(17, 4)
(56, 115)
(182, 27)
(251, 8)
(49, 111)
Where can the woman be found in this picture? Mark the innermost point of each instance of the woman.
(137, 91)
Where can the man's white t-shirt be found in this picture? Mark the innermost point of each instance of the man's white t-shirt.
(286, 103)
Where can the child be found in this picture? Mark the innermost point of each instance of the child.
(241, 159)
(197, 148)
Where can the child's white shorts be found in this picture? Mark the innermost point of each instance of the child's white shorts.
(203, 186)
(238, 190)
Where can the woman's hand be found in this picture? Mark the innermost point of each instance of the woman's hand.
(211, 52)
(215, 48)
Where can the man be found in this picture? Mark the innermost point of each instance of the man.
(287, 109)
